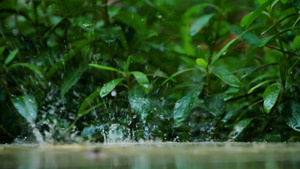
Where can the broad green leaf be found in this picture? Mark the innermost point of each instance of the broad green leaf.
(200, 23)
(201, 62)
(26, 106)
(184, 105)
(291, 113)
(2, 50)
(296, 43)
(139, 103)
(81, 111)
(284, 1)
(34, 68)
(258, 85)
(226, 76)
(265, 40)
(70, 80)
(239, 127)
(270, 97)
(11, 56)
(142, 79)
(109, 86)
(176, 74)
(248, 19)
(105, 68)
(215, 104)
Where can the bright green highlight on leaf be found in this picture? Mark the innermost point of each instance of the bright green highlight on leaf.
(11, 56)
(109, 86)
(270, 97)
(201, 62)
(142, 79)
(258, 85)
(199, 24)
(34, 68)
(105, 68)
(26, 106)
(239, 127)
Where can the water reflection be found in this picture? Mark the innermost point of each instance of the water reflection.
(147, 156)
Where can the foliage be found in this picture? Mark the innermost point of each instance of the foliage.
(149, 70)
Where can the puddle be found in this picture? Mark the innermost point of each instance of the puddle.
(152, 155)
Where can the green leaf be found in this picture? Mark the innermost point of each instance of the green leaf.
(139, 103)
(70, 81)
(201, 62)
(284, 1)
(184, 105)
(201, 54)
(248, 19)
(11, 56)
(109, 86)
(291, 113)
(199, 8)
(34, 68)
(224, 49)
(199, 24)
(81, 111)
(142, 79)
(261, 1)
(296, 43)
(2, 50)
(215, 104)
(177, 73)
(26, 106)
(265, 40)
(226, 76)
(239, 127)
(270, 97)
(258, 85)
(105, 68)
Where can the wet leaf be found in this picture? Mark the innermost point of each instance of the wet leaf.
(270, 96)
(176, 74)
(109, 86)
(199, 24)
(226, 76)
(26, 106)
(81, 111)
(291, 113)
(184, 105)
(70, 81)
(239, 127)
(34, 68)
(142, 80)
(215, 104)
(11, 56)
(105, 68)
(139, 103)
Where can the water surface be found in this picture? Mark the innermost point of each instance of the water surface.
(152, 155)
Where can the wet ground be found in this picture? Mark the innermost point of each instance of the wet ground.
(152, 155)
